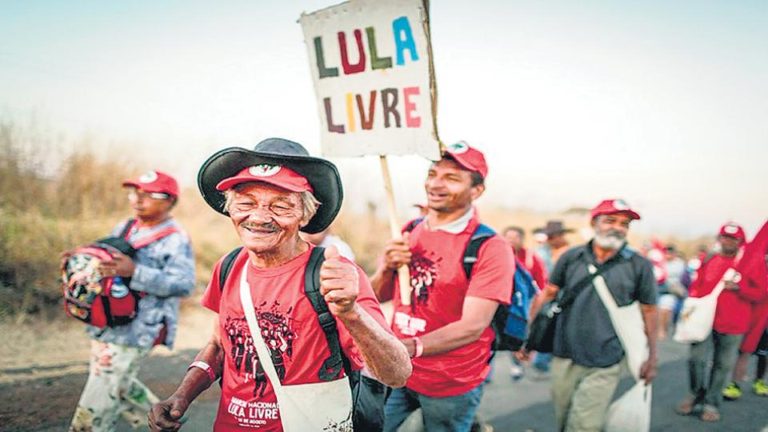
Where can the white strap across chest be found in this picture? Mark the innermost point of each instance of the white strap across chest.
(265, 358)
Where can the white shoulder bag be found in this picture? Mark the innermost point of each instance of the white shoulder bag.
(632, 411)
(698, 313)
(323, 406)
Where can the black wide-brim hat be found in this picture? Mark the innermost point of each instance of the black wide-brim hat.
(321, 174)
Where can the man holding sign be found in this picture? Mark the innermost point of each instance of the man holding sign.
(446, 326)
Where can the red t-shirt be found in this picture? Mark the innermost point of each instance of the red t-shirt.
(290, 329)
(535, 265)
(439, 287)
(734, 309)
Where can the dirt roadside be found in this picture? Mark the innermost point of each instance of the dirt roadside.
(44, 366)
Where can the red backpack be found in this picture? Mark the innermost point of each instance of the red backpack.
(97, 300)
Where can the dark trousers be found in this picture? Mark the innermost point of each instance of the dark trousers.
(725, 350)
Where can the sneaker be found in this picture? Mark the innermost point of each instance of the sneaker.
(760, 388)
(732, 392)
(516, 372)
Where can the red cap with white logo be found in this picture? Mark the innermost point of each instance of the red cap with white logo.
(614, 206)
(468, 157)
(276, 175)
(732, 229)
(154, 181)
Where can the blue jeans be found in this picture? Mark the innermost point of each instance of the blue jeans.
(441, 414)
(541, 361)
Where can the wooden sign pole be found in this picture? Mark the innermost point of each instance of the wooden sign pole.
(403, 275)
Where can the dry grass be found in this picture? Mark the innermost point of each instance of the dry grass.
(46, 208)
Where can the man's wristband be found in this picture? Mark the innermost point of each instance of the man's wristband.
(204, 366)
(419, 347)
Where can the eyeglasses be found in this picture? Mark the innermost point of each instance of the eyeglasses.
(138, 195)
(279, 209)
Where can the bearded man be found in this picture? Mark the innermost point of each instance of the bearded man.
(587, 351)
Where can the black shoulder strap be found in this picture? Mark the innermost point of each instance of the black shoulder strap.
(482, 233)
(127, 228)
(570, 295)
(335, 362)
(226, 266)
(412, 224)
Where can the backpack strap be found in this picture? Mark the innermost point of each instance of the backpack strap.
(226, 266)
(570, 295)
(129, 224)
(165, 232)
(335, 362)
(482, 233)
(410, 226)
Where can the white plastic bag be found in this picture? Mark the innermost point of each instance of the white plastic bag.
(632, 411)
(698, 314)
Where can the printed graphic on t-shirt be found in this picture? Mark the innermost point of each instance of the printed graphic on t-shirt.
(278, 335)
(408, 325)
(423, 275)
(252, 414)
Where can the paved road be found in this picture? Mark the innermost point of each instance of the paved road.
(46, 404)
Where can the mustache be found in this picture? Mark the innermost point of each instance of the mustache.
(267, 226)
(613, 233)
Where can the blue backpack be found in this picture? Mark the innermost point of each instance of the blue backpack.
(510, 323)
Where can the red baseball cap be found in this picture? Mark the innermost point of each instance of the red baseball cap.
(613, 206)
(155, 181)
(732, 229)
(276, 175)
(468, 157)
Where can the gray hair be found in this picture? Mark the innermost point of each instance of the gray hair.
(309, 203)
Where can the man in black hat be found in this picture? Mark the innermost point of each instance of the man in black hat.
(270, 194)
(556, 245)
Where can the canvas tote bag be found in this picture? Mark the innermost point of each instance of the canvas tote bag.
(324, 406)
(698, 313)
(632, 411)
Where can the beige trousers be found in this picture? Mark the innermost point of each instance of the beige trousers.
(582, 394)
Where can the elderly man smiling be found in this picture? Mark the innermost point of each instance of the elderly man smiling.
(279, 368)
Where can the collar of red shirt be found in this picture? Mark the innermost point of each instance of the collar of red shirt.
(455, 227)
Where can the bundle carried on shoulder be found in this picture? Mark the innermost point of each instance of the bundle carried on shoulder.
(97, 299)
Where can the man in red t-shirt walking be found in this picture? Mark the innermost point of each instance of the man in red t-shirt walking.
(731, 322)
(270, 194)
(446, 328)
(515, 236)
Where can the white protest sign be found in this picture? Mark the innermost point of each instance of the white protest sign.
(370, 63)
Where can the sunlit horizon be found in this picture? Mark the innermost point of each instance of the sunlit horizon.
(663, 104)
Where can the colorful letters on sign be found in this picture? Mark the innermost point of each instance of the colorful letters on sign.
(370, 66)
(369, 60)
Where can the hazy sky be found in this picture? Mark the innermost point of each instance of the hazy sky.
(662, 103)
